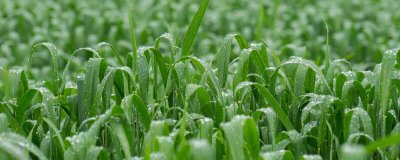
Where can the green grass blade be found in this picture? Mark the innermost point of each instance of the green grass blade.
(91, 82)
(53, 54)
(203, 97)
(271, 100)
(16, 83)
(122, 138)
(233, 133)
(141, 108)
(4, 122)
(243, 68)
(388, 63)
(24, 103)
(205, 129)
(143, 73)
(114, 51)
(271, 117)
(14, 125)
(383, 143)
(159, 60)
(134, 48)
(17, 140)
(12, 150)
(56, 131)
(327, 53)
(81, 99)
(311, 65)
(224, 54)
(156, 129)
(251, 137)
(194, 26)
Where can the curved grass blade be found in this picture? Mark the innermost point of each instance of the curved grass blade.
(93, 53)
(271, 117)
(53, 54)
(91, 82)
(141, 108)
(224, 54)
(172, 43)
(311, 65)
(203, 96)
(296, 139)
(355, 119)
(114, 51)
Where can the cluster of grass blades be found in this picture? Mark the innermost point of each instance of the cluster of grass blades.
(294, 28)
(165, 103)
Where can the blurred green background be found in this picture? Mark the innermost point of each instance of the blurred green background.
(360, 30)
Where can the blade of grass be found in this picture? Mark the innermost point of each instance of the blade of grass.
(327, 53)
(134, 48)
(194, 26)
(271, 100)
(122, 138)
(17, 140)
(53, 54)
(388, 63)
(383, 143)
(224, 54)
(56, 131)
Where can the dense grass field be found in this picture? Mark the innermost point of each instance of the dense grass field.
(200, 79)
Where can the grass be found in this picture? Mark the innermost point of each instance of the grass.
(168, 100)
